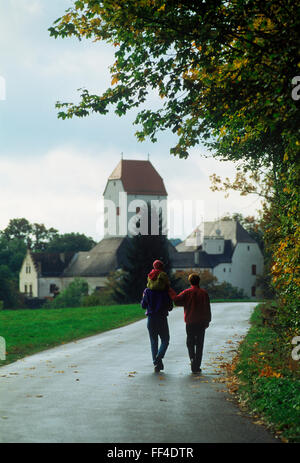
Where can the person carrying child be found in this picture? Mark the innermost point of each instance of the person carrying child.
(157, 303)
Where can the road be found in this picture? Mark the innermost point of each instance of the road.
(103, 389)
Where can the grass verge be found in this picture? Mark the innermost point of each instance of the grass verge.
(265, 379)
(29, 331)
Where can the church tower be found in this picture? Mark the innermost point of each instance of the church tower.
(133, 188)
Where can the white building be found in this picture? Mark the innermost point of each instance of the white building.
(227, 251)
(132, 186)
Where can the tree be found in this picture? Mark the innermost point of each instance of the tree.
(223, 70)
(19, 229)
(12, 253)
(8, 288)
(41, 236)
(142, 250)
(69, 242)
(36, 236)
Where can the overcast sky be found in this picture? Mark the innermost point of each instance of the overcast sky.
(53, 171)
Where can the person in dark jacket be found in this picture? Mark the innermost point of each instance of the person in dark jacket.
(157, 305)
(197, 316)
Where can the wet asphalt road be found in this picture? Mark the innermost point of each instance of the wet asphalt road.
(103, 389)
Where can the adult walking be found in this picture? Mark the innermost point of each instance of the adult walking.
(157, 305)
(197, 316)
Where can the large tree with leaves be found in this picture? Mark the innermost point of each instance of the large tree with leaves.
(223, 70)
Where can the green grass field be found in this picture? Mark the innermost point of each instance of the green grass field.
(29, 331)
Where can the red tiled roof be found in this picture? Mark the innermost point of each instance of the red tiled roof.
(139, 178)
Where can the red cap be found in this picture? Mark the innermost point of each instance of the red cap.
(157, 264)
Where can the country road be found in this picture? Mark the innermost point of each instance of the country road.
(103, 389)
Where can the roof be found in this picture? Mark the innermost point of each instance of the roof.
(108, 255)
(226, 229)
(139, 178)
(51, 264)
(186, 259)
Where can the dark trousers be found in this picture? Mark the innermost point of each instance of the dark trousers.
(158, 328)
(194, 341)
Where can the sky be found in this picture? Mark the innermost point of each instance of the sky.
(53, 171)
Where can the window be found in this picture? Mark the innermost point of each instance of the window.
(53, 288)
(224, 269)
(118, 210)
(28, 268)
(25, 289)
(253, 269)
(30, 290)
(248, 247)
(253, 291)
(137, 210)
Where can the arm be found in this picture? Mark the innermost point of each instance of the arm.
(144, 301)
(177, 299)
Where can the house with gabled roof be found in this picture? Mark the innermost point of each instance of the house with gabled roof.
(40, 274)
(226, 250)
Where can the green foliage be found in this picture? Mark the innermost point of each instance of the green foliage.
(97, 298)
(210, 283)
(69, 242)
(212, 63)
(268, 378)
(35, 236)
(71, 296)
(12, 253)
(9, 294)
